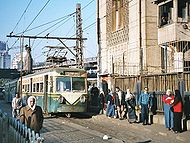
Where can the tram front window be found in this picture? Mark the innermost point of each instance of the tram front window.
(63, 84)
(78, 84)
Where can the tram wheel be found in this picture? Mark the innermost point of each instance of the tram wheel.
(68, 115)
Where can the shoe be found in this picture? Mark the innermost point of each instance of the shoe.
(176, 132)
(144, 124)
(169, 129)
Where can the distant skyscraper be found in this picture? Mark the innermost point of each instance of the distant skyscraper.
(5, 58)
(2, 46)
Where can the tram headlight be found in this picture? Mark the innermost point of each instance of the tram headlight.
(82, 99)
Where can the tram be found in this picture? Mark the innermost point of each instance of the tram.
(57, 89)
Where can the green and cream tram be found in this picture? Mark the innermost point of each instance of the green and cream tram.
(57, 89)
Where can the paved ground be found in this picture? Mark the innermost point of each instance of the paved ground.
(86, 129)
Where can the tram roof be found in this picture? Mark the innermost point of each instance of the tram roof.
(56, 69)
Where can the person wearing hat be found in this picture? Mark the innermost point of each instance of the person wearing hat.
(31, 115)
(168, 114)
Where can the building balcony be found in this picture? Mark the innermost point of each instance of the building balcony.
(174, 32)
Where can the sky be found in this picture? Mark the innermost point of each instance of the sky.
(42, 17)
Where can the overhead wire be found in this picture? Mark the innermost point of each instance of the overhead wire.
(55, 28)
(87, 4)
(55, 25)
(21, 16)
(19, 22)
(32, 21)
(37, 15)
(45, 24)
(73, 13)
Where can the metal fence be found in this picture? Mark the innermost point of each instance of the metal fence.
(12, 131)
(157, 85)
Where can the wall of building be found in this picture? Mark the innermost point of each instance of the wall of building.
(117, 40)
(151, 50)
(120, 48)
(104, 51)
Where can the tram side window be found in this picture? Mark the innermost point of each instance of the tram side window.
(23, 88)
(63, 84)
(78, 83)
(41, 87)
(28, 87)
(37, 87)
(34, 87)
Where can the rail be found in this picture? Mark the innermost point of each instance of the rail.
(12, 131)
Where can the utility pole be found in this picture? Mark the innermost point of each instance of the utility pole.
(140, 39)
(99, 44)
(21, 64)
(79, 35)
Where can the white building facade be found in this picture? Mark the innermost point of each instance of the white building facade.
(128, 37)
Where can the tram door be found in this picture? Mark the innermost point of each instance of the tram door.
(45, 94)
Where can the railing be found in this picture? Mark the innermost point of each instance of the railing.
(12, 131)
(157, 101)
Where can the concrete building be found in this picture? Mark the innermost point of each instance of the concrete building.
(127, 39)
(173, 34)
(16, 61)
(5, 58)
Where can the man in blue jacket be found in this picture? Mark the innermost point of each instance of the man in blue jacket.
(145, 102)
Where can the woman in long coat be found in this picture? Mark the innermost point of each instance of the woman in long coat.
(130, 102)
(177, 109)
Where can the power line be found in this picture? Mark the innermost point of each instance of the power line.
(55, 25)
(53, 29)
(46, 23)
(36, 16)
(21, 16)
(31, 22)
(87, 4)
(19, 21)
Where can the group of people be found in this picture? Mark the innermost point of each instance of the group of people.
(173, 106)
(123, 105)
(120, 104)
(31, 115)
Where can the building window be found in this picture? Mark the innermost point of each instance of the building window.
(165, 13)
(182, 10)
(117, 14)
